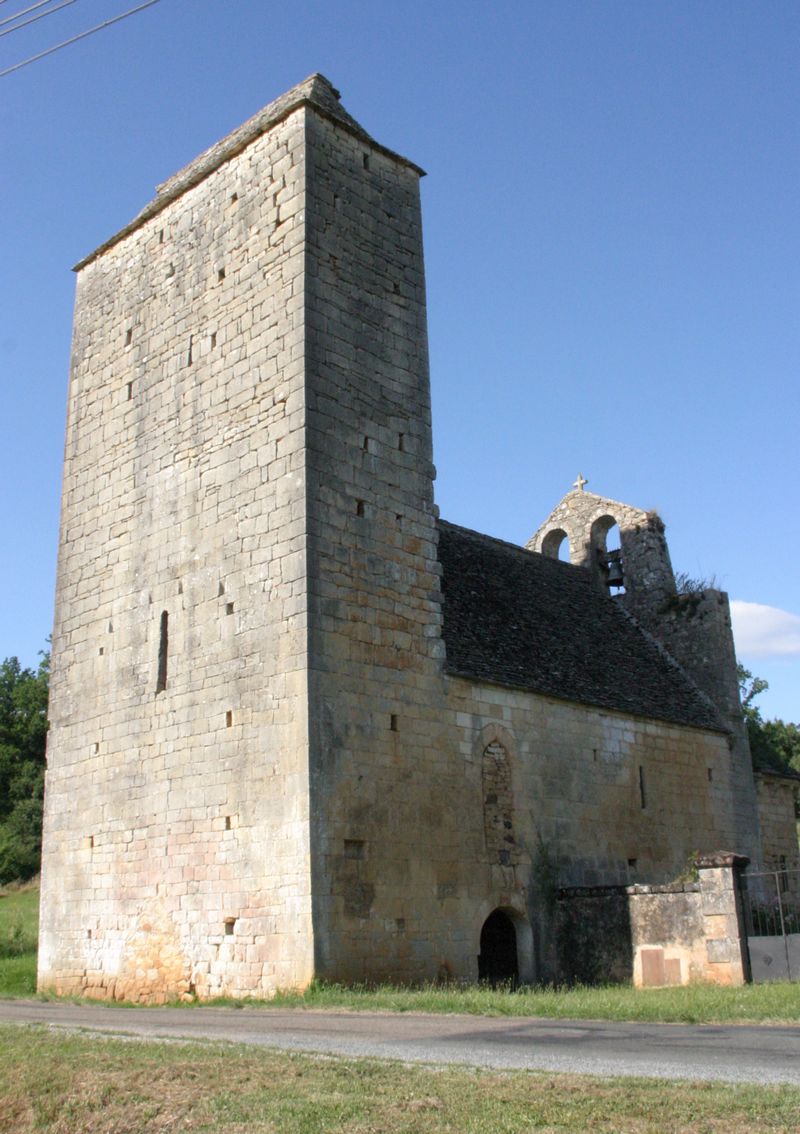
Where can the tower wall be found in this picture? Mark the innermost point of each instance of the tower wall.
(379, 764)
(176, 841)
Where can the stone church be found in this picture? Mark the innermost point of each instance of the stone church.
(301, 727)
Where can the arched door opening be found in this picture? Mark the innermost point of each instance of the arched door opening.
(497, 960)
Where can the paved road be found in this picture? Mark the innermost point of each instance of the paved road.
(665, 1051)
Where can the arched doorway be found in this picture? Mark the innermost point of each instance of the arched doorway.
(497, 960)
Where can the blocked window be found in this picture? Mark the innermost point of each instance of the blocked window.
(498, 805)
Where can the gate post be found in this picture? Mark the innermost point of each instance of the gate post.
(723, 917)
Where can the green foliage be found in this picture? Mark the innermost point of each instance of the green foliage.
(23, 732)
(774, 745)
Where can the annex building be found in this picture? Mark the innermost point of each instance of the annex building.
(300, 726)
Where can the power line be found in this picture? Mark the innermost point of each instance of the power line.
(81, 35)
(24, 12)
(33, 19)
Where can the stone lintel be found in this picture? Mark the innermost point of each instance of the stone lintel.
(718, 859)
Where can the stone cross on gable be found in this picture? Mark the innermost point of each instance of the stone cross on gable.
(579, 483)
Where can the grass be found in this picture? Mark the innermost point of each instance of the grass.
(19, 931)
(56, 1084)
(694, 1004)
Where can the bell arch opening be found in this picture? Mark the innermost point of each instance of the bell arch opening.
(506, 949)
(555, 545)
(606, 544)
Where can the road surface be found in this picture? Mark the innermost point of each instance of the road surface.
(593, 1047)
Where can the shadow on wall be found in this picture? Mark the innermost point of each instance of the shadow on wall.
(594, 937)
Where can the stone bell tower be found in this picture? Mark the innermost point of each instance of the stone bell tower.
(694, 627)
(247, 551)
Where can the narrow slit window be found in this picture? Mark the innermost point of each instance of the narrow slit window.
(163, 641)
(234, 198)
(129, 336)
(366, 161)
(220, 275)
(394, 725)
(642, 792)
(229, 608)
(360, 508)
(130, 391)
(229, 719)
(401, 442)
(213, 339)
(189, 352)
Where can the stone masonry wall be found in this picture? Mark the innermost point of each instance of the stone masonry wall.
(657, 935)
(176, 843)
(381, 774)
(598, 799)
(778, 817)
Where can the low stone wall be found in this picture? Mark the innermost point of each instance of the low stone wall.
(656, 935)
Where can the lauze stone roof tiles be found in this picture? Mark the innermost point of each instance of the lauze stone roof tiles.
(514, 617)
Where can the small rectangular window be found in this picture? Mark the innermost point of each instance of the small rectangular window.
(163, 643)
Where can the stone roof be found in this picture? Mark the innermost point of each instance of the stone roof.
(517, 618)
(316, 91)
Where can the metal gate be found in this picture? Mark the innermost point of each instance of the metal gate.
(771, 907)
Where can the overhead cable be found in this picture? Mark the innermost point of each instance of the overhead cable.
(24, 12)
(81, 35)
(33, 19)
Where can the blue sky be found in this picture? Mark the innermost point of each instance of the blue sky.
(612, 261)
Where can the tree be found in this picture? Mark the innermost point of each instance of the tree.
(23, 733)
(774, 745)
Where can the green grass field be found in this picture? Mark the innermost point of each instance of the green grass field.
(59, 1084)
(19, 931)
(695, 1004)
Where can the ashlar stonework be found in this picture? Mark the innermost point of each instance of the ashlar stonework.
(301, 727)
